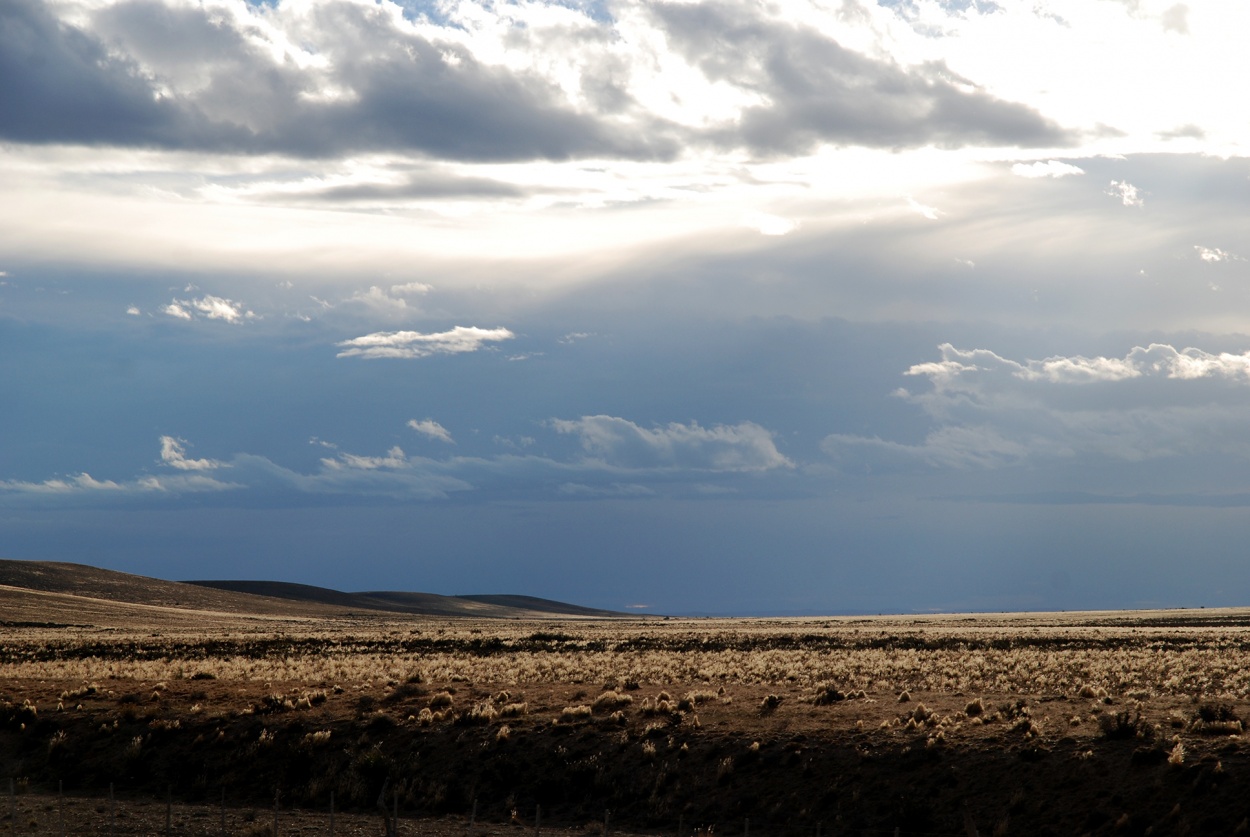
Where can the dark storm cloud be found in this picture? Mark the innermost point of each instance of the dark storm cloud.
(819, 91)
(149, 75)
(62, 85)
(141, 73)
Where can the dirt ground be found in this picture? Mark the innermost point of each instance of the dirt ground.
(739, 759)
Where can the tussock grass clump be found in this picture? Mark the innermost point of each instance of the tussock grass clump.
(513, 710)
(770, 703)
(76, 694)
(974, 708)
(573, 714)
(661, 706)
(610, 701)
(441, 700)
(404, 691)
(482, 712)
(317, 738)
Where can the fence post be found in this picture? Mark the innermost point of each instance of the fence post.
(223, 811)
(169, 810)
(275, 813)
(112, 812)
(60, 805)
(331, 813)
(473, 814)
(395, 812)
(746, 827)
(12, 809)
(681, 824)
(538, 817)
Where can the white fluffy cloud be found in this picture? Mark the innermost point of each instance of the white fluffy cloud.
(990, 411)
(414, 344)
(174, 454)
(432, 429)
(1128, 194)
(766, 224)
(210, 308)
(1215, 254)
(619, 442)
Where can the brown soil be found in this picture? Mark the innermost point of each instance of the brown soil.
(787, 765)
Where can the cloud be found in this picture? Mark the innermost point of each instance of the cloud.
(83, 488)
(812, 90)
(1050, 168)
(379, 301)
(1176, 19)
(217, 308)
(619, 442)
(766, 224)
(64, 84)
(431, 429)
(133, 310)
(331, 77)
(208, 307)
(414, 344)
(1215, 254)
(173, 454)
(415, 288)
(1128, 194)
(926, 211)
(616, 489)
(394, 458)
(989, 411)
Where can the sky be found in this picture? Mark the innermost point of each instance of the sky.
(716, 307)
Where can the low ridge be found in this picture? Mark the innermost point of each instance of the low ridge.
(79, 592)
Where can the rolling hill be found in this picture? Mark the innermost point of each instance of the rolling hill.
(38, 592)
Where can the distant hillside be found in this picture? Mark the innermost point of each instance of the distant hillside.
(35, 591)
(544, 605)
(425, 604)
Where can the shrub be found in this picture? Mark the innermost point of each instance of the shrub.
(1122, 725)
(573, 714)
(827, 694)
(1216, 719)
(610, 701)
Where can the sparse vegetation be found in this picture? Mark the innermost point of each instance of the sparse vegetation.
(709, 711)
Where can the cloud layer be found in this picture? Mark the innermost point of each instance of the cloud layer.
(414, 344)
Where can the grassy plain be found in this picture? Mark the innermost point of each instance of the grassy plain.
(1111, 723)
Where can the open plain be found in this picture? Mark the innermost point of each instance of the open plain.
(1098, 723)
